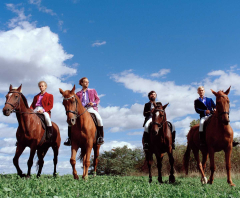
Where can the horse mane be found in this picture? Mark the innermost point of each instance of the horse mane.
(25, 101)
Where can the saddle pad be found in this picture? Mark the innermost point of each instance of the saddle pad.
(95, 122)
(43, 123)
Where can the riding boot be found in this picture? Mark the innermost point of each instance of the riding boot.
(49, 133)
(202, 139)
(68, 140)
(100, 139)
(173, 139)
(145, 141)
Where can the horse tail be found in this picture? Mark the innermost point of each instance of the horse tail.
(186, 159)
(81, 155)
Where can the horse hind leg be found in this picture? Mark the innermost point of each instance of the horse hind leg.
(30, 160)
(18, 153)
(87, 162)
(212, 166)
(95, 160)
(41, 153)
(55, 160)
(199, 165)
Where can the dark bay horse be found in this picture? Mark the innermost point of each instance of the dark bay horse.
(83, 132)
(30, 132)
(219, 136)
(160, 142)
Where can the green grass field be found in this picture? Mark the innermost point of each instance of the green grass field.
(112, 186)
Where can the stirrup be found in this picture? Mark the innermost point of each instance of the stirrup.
(100, 141)
(67, 142)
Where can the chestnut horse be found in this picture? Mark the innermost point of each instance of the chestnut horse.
(160, 142)
(30, 132)
(83, 132)
(219, 136)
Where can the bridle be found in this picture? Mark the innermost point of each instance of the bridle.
(16, 104)
(224, 112)
(74, 112)
(160, 125)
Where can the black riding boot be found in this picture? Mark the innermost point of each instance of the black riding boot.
(68, 141)
(173, 139)
(202, 139)
(49, 133)
(100, 139)
(145, 141)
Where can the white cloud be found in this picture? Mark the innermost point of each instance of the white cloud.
(135, 133)
(98, 43)
(162, 72)
(42, 8)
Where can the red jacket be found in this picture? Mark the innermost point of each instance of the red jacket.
(47, 102)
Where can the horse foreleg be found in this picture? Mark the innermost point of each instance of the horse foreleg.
(199, 165)
(204, 160)
(74, 150)
(30, 160)
(212, 165)
(19, 151)
(171, 161)
(55, 159)
(159, 165)
(149, 158)
(87, 162)
(228, 165)
(95, 160)
(41, 153)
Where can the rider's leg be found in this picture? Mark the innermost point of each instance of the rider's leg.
(100, 139)
(68, 140)
(49, 126)
(146, 135)
(201, 133)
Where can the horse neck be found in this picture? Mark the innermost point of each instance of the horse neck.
(80, 108)
(23, 115)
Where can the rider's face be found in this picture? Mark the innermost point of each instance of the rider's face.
(42, 87)
(153, 96)
(85, 83)
(201, 92)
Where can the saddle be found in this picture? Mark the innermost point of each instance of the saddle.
(44, 126)
(96, 124)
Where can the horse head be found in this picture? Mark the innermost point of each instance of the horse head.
(159, 116)
(12, 100)
(71, 105)
(222, 105)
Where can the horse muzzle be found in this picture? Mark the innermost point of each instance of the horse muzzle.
(71, 121)
(7, 111)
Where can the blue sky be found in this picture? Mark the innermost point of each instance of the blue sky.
(126, 49)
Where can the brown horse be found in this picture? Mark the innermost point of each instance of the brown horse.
(160, 142)
(83, 132)
(219, 136)
(30, 132)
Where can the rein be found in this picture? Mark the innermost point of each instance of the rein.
(160, 125)
(74, 112)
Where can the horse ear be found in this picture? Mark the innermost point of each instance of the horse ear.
(164, 107)
(10, 87)
(228, 90)
(61, 91)
(73, 90)
(19, 88)
(215, 93)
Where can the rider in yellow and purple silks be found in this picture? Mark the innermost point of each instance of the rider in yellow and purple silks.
(152, 95)
(90, 100)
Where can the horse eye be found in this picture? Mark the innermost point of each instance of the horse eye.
(16, 96)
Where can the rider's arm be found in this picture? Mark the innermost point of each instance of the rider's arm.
(198, 110)
(50, 103)
(34, 102)
(146, 112)
(97, 99)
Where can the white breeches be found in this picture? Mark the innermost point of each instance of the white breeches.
(99, 119)
(202, 120)
(46, 115)
(148, 123)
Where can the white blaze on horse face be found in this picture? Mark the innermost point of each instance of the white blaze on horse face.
(157, 113)
(10, 95)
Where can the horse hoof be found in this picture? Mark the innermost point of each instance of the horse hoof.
(54, 174)
(150, 181)
(232, 184)
(210, 182)
(85, 178)
(94, 174)
(76, 177)
(204, 180)
(171, 179)
(38, 175)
